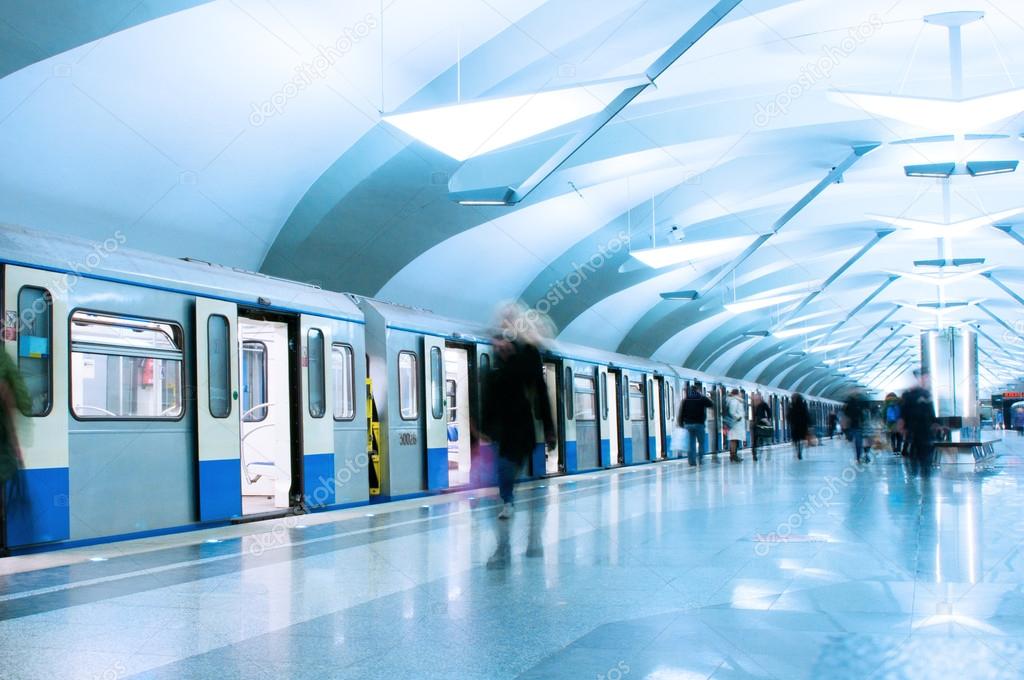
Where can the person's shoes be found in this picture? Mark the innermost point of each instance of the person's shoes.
(755, 457)
(506, 511)
(693, 465)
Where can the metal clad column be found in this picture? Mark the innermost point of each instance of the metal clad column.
(951, 357)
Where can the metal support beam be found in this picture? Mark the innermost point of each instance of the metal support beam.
(874, 328)
(832, 177)
(856, 310)
(513, 195)
(836, 275)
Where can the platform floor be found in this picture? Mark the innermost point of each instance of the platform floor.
(780, 569)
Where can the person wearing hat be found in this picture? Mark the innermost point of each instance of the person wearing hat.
(917, 421)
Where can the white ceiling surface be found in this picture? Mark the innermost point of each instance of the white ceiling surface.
(150, 131)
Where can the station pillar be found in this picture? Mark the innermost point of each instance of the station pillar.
(951, 357)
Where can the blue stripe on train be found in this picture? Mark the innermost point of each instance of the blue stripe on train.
(220, 489)
(606, 453)
(627, 451)
(318, 479)
(571, 458)
(437, 468)
(41, 514)
(539, 461)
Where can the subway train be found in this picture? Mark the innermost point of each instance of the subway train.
(169, 395)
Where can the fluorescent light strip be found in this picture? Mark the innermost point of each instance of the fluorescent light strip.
(476, 127)
(755, 303)
(666, 256)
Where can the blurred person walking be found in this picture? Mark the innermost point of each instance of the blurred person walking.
(892, 422)
(515, 393)
(799, 424)
(854, 422)
(693, 416)
(735, 420)
(14, 397)
(763, 432)
(918, 423)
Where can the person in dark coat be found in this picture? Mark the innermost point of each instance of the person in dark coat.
(763, 431)
(918, 422)
(515, 394)
(799, 424)
(854, 422)
(693, 416)
(14, 397)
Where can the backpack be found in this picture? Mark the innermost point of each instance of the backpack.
(892, 414)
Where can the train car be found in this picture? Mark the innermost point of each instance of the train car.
(169, 394)
(175, 394)
(426, 372)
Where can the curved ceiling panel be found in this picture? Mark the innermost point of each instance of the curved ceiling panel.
(784, 210)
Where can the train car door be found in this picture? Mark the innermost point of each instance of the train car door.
(314, 473)
(436, 416)
(550, 462)
(217, 410)
(654, 425)
(482, 469)
(613, 406)
(571, 405)
(716, 422)
(604, 423)
(267, 395)
(638, 417)
(36, 338)
(458, 371)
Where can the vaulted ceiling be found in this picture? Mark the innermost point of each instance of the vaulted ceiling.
(253, 133)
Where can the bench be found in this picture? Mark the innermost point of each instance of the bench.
(978, 450)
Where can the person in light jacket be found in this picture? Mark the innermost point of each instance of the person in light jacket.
(736, 422)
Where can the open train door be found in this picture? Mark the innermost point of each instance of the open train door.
(436, 415)
(217, 409)
(315, 473)
(36, 338)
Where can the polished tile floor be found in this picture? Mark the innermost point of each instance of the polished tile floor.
(781, 569)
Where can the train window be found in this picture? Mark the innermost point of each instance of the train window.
(451, 391)
(485, 365)
(127, 368)
(343, 370)
(219, 365)
(254, 381)
(317, 389)
(584, 397)
(650, 402)
(567, 388)
(35, 336)
(625, 399)
(408, 388)
(636, 400)
(436, 383)
(604, 398)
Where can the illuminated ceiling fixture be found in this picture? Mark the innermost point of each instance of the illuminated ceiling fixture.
(983, 168)
(666, 256)
(939, 230)
(473, 128)
(957, 115)
(831, 347)
(760, 302)
(681, 295)
(939, 278)
(939, 115)
(940, 170)
(784, 333)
